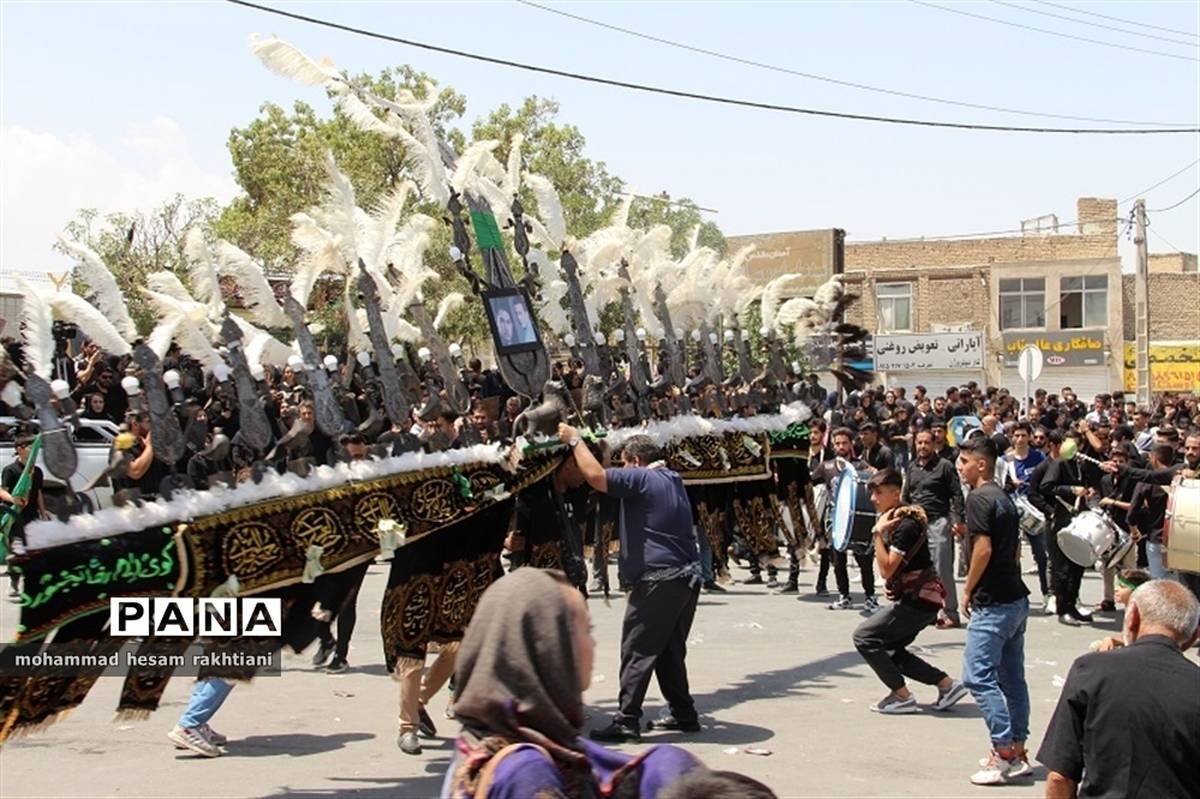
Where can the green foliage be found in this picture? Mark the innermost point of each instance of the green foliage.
(682, 216)
(135, 244)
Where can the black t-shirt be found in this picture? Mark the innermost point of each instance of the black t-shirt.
(990, 512)
(1129, 719)
(908, 540)
(12, 473)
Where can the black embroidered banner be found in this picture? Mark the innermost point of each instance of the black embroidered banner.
(727, 458)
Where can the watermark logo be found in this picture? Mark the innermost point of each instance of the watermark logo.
(186, 617)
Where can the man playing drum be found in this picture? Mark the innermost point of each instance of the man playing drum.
(828, 473)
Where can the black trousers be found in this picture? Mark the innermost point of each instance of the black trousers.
(866, 568)
(658, 618)
(350, 581)
(882, 639)
(1067, 576)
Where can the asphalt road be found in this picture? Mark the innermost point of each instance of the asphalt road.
(768, 673)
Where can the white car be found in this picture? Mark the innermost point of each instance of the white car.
(93, 460)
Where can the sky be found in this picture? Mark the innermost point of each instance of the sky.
(117, 106)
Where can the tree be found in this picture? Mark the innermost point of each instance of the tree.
(682, 216)
(133, 244)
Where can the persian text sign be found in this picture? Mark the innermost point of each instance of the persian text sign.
(929, 351)
(1174, 366)
(1060, 348)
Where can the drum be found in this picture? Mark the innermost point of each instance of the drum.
(1181, 533)
(1088, 537)
(1033, 521)
(1115, 556)
(853, 516)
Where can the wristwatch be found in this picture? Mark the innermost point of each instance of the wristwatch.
(574, 440)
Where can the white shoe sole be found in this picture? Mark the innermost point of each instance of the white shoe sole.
(183, 743)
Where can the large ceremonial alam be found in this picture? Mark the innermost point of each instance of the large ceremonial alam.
(441, 515)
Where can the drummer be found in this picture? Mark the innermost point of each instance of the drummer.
(1116, 491)
(828, 472)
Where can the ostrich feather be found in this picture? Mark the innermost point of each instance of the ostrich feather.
(491, 168)
(94, 324)
(167, 283)
(496, 197)
(604, 256)
(259, 345)
(654, 244)
(830, 292)
(539, 261)
(793, 311)
(416, 114)
(106, 294)
(356, 322)
(620, 215)
(737, 264)
(203, 272)
(287, 60)
(514, 164)
(37, 329)
(257, 294)
(323, 254)
(550, 308)
(469, 162)
(550, 210)
(782, 287)
(167, 306)
(450, 302)
(162, 335)
(540, 235)
(386, 219)
(194, 342)
(427, 169)
(365, 119)
(400, 329)
(693, 238)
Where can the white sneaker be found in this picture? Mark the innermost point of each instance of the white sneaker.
(999, 770)
(947, 699)
(1050, 607)
(842, 603)
(192, 738)
(894, 705)
(212, 735)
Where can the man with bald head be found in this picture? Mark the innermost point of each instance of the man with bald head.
(1128, 721)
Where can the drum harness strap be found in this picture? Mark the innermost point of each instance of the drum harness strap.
(926, 584)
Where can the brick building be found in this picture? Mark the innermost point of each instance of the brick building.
(1059, 286)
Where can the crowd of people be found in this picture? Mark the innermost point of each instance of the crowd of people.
(960, 483)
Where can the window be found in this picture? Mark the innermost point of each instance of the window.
(894, 306)
(1022, 303)
(1083, 302)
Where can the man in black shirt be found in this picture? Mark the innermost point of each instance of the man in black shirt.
(827, 473)
(996, 600)
(933, 485)
(902, 555)
(1063, 487)
(1127, 723)
(874, 452)
(1148, 510)
(940, 444)
(33, 505)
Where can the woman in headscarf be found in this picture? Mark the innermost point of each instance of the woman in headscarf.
(523, 665)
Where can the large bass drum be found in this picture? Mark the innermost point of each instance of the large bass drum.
(1088, 537)
(853, 516)
(1181, 534)
(1032, 520)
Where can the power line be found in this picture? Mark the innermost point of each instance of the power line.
(1094, 24)
(1053, 33)
(729, 101)
(811, 76)
(1115, 19)
(1154, 232)
(1167, 179)
(1176, 205)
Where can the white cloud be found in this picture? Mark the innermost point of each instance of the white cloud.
(46, 177)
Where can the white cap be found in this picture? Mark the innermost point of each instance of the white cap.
(331, 363)
(695, 335)
(221, 372)
(455, 254)
(61, 388)
(424, 354)
(619, 335)
(364, 359)
(600, 339)
(796, 367)
(569, 339)
(296, 362)
(640, 333)
(712, 338)
(171, 378)
(745, 335)
(131, 385)
(762, 331)
(455, 349)
(397, 351)
(729, 335)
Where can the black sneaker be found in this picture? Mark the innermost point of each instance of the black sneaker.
(337, 666)
(672, 723)
(323, 653)
(616, 732)
(755, 580)
(789, 588)
(425, 723)
(713, 588)
(1069, 620)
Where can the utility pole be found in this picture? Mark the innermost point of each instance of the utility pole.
(1142, 306)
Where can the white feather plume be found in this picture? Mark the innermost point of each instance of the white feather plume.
(540, 235)
(287, 60)
(830, 292)
(260, 346)
(167, 283)
(365, 119)
(693, 239)
(162, 335)
(92, 323)
(451, 301)
(400, 329)
(793, 311)
(11, 394)
(257, 295)
(496, 197)
(166, 305)
(550, 210)
(356, 322)
(106, 294)
(779, 289)
(654, 244)
(194, 342)
(206, 284)
(514, 164)
(550, 309)
(37, 329)
(469, 162)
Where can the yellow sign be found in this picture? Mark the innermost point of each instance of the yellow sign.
(1173, 367)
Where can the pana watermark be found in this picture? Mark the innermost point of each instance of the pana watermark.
(209, 617)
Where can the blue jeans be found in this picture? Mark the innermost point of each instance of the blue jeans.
(994, 669)
(207, 697)
(1154, 560)
(706, 557)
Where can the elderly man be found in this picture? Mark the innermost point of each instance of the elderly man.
(660, 557)
(1128, 721)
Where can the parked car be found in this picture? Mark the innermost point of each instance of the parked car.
(93, 460)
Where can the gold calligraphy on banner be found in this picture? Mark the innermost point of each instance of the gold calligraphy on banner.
(1173, 367)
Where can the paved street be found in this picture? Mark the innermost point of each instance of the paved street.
(768, 672)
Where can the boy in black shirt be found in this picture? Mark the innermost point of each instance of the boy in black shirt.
(32, 506)
(997, 602)
(902, 555)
